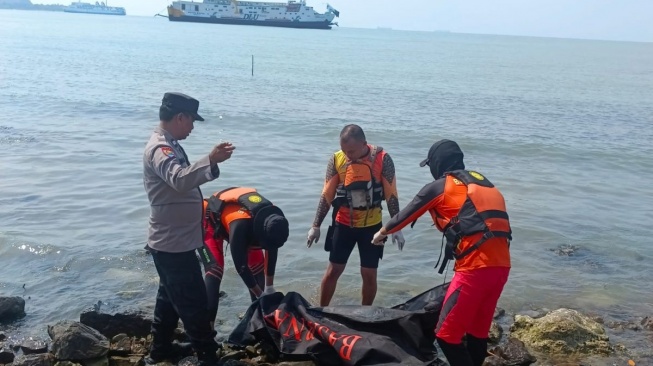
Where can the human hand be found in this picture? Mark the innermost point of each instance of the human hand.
(268, 290)
(221, 152)
(398, 238)
(313, 236)
(379, 238)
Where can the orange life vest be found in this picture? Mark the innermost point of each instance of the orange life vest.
(231, 204)
(472, 217)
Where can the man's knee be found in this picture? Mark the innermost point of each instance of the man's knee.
(368, 275)
(334, 270)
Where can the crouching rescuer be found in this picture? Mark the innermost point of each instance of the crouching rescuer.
(254, 228)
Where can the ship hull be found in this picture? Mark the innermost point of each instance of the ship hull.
(264, 23)
(90, 12)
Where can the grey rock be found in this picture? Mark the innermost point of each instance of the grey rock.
(267, 352)
(31, 346)
(513, 353)
(566, 250)
(496, 332)
(188, 361)
(562, 332)
(66, 363)
(140, 346)
(43, 359)
(11, 308)
(76, 341)
(494, 361)
(6, 355)
(234, 355)
(125, 361)
(251, 351)
(121, 345)
(598, 319)
(100, 361)
(623, 326)
(133, 323)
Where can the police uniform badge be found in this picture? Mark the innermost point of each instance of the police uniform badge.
(167, 151)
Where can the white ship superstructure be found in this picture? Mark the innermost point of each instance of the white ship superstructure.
(293, 14)
(97, 8)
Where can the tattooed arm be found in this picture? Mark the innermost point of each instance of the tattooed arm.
(390, 185)
(331, 182)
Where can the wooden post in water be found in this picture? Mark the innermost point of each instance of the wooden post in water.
(252, 65)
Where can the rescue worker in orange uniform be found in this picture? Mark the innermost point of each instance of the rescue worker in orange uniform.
(251, 224)
(358, 178)
(471, 213)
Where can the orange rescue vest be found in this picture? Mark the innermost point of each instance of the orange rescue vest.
(360, 185)
(247, 198)
(483, 211)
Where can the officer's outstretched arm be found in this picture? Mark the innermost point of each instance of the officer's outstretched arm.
(167, 167)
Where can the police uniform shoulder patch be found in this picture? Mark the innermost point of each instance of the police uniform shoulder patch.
(167, 151)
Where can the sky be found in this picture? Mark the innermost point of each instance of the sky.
(624, 20)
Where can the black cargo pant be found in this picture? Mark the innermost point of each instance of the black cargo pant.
(182, 294)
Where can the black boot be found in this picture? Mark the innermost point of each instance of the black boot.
(207, 358)
(477, 348)
(173, 353)
(456, 354)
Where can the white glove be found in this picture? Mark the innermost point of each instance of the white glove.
(313, 236)
(268, 290)
(398, 238)
(379, 238)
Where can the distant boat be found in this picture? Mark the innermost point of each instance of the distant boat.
(97, 8)
(291, 14)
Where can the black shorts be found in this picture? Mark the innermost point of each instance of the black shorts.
(344, 240)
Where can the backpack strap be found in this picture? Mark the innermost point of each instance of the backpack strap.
(214, 211)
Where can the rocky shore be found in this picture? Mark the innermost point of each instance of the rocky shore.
(558, 337)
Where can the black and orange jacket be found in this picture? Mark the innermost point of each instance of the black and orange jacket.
(235, 226)
(468, 201)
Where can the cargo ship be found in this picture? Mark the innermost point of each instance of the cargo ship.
(293, 14)
(97, 8)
